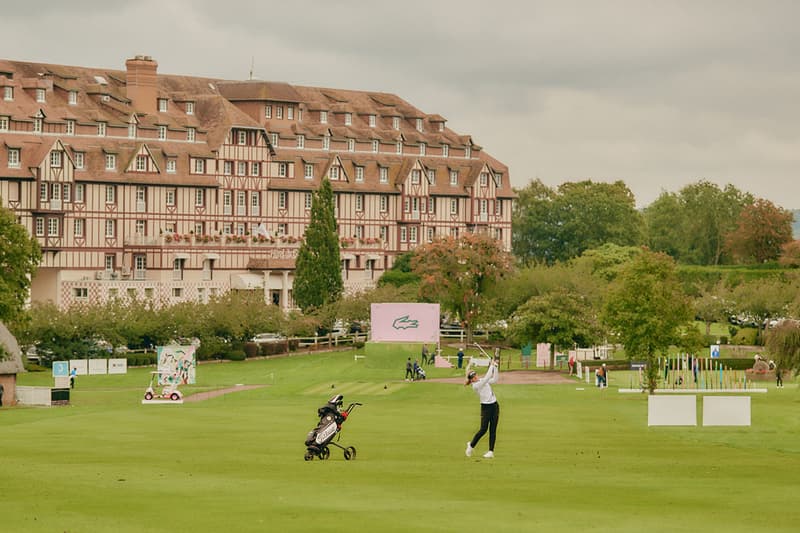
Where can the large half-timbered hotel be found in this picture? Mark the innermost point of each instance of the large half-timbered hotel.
(140, 184)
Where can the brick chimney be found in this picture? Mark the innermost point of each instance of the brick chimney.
(142, 88)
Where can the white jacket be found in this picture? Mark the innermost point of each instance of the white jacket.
(483, 387)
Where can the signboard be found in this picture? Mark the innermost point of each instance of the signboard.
(176, 364)
(714, 349)
(117, 366)
(60, 369)
(405, 322)
(638, 365)
(98, 366)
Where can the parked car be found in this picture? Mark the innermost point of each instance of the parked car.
(263, 338)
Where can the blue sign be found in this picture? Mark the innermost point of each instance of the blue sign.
(60, 369)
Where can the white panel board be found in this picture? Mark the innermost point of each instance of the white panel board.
(80, 365)
(672, 410)
(117, 366)
(98, 366)
(726, 410)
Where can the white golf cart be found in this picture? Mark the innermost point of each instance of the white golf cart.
(169, 392)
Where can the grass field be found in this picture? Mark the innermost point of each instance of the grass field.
(566, 459)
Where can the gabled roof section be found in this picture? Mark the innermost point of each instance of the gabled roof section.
(219, 116)
(238, 91)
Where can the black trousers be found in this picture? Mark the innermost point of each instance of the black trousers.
(490, 416)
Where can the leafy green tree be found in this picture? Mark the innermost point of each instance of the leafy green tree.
(762, 299)
(558, 225)
(713, 305)
(783, 344)
(19, 257)
(762, 230)
(401, 273)
(560, 317)
(318, 272)
(458, 273)
(647, 310)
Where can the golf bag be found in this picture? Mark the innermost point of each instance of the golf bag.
(331, 418)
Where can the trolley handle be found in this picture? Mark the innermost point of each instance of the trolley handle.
(352, 406)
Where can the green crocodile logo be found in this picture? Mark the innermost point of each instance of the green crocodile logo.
(404, 323)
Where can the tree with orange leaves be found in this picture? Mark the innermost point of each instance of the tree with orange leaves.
(457, 273)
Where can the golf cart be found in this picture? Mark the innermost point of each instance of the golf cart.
(169, 392)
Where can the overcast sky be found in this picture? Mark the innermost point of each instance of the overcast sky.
(658, 94)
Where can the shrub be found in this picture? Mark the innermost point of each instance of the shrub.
(745, 336)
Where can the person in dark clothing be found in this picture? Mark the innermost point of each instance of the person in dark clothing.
(460, 357)
(409, 370)
(425, 358)
(1, 395)
(490, 408)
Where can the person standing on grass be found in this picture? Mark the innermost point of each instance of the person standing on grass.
(409, 370)
(490, 409)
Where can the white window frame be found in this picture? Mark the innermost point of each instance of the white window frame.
(301, 141)
(279, 112)
(384, 203)
(255, 168)
(268, 111)
(39, 226)
(78, 227)
(199, 166)
(111, 194)
(396, 123)
(348, 119)
(308, 171)
(190, 108)
(453, 206)
(416, 175)
(170, 197)
(445, 150)
(191, 134)
(41, 95)
(171, 166)
(372, 121)
(383, 174)
(69, 127)
(359, 173)
(101, 129)
(454, 177)
(360, 202)
(283, 198)
(283, 170)
(326, 142)
(162, 133)
(110, 228)
(199, 197)
(8, 93)
(80, 160)
(37, 125)
(308, 200)
(351, 145)
(13, 157)
(80, 193)
(163, 105)
(289, 112)
(323, 117)
(52, 227)
(241, 168)
(422, 148)
(111, 161)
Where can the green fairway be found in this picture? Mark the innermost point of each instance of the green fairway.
(566, 459)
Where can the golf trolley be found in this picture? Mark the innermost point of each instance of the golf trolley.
(169, 392)
(331, 418)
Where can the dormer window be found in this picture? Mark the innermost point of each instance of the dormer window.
(132, 131)
(101, 129)
(375, 145)
(279, 111)
(445, 150)
(419, 124)
(80, 159)
(431, 176)
(111, 161)
(351, 145)
(70, 127)
(468, 152)
(301, 141)
(383, 175)
(290, 112)
(3, 123)
(162, 105)
(498, 180)
(162, 133)
(454, 177)
(396, 123)
(40, 95)
(441, 126)
(267, 111)
(55, 159)
(190, 108)
(484, 179)
(308, 171)
(348, 119)
(415, 175)
(141, 163)
(273, 138)
(171, 166)
(13, 157)
(191, 134)
(399, 147)
(8, 93)
(372, 121)
(323, 117)
(37, 125)
(422, 148)
(241, 137)
(359, 173)
(326, 142)
(334, 173)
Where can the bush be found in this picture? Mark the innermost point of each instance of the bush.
(746, 336)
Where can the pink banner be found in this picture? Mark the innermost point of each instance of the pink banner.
(405, 322)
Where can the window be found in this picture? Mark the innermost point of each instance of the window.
(484, 179)
(43, 192)
(375, 146)
(80, 190)
(67, 192)
(267, 111)
(255, 202)
(422, 148)
(498, 180)
(415, 176)
(372, 121)
(8, 93)
(39, 226)
(359, 173)
(13, 157)
(111, 194)
(241, 137)
(282, 199)
(37, 125)
(383, 175)
(396, 123)
(406, 205)
(412, 234)
(227, 168)
(399, 147)
(351, 145)
(141, 227)
(279, 111)
(255, 168)
(101, 129)
(141, 163)
(162, 105)
(326, 142)
(199, 197)
(403, 234)
(453, 206)
(445, 150)
(454, 177)
(290, 112)
(177, 292)
(199, 166)
(308, 200)
(431, 205)
(273, 138)
(498, 207)
(69, 128)
(78, 227)
(348, 119)
(170, 197)
(323, 117)
(498, 234)
(40, 95)
(431, 234)
(80, 160)
(227, 202)
(132, 131)
(171, 166)
(301, 141)
(468, 152)
(162, 133)
(283, 229)
(81, 293)
(484, 206)
(384, 203)
(52, 227)
(384, 232)
(308, 171)
(3, 123)
(419, 124)
(110, 228)
(359, 202)
(191, 134)
(111, 161)
(190, 108)
(56, 192)
(282, 168)
(333, 173)
(432, 176)
(241, 168)
(359, 232)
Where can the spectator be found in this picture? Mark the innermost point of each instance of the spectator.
(460, 357)
(409, 370)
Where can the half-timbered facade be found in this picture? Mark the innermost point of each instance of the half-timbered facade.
(172, 188)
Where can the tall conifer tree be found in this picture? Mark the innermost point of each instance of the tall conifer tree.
(318, 272)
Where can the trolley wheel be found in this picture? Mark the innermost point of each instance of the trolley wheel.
(174, 397)
(148, 395)
(324, 453)
(347, 455)
(351, 451)
(308, 456)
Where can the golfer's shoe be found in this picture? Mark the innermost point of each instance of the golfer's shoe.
(489, 455)
(469, 450)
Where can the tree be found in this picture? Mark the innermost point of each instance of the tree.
(318, 272)
(19, 257)
(763, 229)
(762, 299)
(400, 274)
(557, 225)
(561, 318)
(458, 273)
(783, 343)
(648, 310)
(713, 305)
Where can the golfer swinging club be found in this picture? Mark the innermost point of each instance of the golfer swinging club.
(490, 409)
